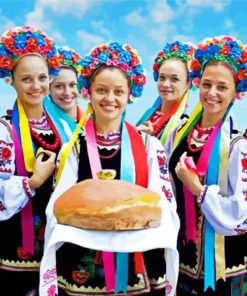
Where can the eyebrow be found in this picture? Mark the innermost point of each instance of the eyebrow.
(208, 80)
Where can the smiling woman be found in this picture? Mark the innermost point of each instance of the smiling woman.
(108, 262)
(28, 58)
(207, 167)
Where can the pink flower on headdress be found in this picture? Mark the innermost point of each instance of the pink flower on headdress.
(94, 63)
(239, 95)
(94, 53)
(114, 54)
(175, 48)
(161, 54)
(124, 67)
(196, 81)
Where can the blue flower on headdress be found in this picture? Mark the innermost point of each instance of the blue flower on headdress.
(242, 85)
(167, 47)
(138, 70)
(86, 61)
(115, 46)
(28, 34)
(66, 53)
(234, 53)
(40, 39)
(53, 72)
(20, 41)
(52, 52)
(125, 57)
(183, 48)
(2, 50)
(136, 90)
(212, 51)
(84, 82)
(156, 75)
(199, 55)
(103, 56)
(4, 73)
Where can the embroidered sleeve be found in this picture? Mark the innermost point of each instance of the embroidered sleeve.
(13, 196)
(228, 214)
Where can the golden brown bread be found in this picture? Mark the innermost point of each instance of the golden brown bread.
(108, 205)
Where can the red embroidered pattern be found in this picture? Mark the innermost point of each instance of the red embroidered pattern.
(26, 187)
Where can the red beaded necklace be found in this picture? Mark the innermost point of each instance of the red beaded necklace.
(42, 142)
(110, 156)
(200, 132)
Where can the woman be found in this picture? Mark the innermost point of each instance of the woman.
(113, 75)
(173, 83)
(27, 60)
(207, 163)
(64, 88)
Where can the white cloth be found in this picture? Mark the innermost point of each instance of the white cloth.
(164, 236)
(228, 213)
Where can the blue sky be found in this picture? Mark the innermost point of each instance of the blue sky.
(145, 24)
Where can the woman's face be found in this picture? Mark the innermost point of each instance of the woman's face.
(63, 89)
(217, 89)
(109, 95)
(31, 80)
(173, 80)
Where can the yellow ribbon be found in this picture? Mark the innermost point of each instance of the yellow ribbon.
(222, 180)
(65, 153)
(26, 139)
(174, 118)
(181, 132)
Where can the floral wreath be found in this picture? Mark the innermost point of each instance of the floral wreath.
(68, 57)
(221, 48)
(20, 41)
(114, 54)
(177, 49)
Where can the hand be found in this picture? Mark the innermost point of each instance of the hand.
(188, 176)
(42, 169)
(147, 128)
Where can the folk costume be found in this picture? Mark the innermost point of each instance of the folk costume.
(92, 269)
(164, 123)
(22, 210)
(211, 230)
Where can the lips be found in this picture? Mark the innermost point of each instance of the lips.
(108, 107)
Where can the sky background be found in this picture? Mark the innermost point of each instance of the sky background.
(144, 24)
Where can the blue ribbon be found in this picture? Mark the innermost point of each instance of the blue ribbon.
(127, 173)
(150, 111)
(209, 243)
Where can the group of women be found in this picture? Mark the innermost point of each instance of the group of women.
(197, 163)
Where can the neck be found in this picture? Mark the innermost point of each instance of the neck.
(72, 113)
(166, 105)
(105, 128)
(210, 120)
(33, 112)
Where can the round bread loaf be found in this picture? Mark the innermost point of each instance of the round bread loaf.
(108, 205)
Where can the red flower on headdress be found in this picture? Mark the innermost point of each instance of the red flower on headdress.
(103, 47)
(195, 65)
(86, 72)
(244, 163)
(134, 61)
(6, 153)
(9, 43)
(156, 67)
(54, 62)
(243, 58)
(242, 74)
(161, 54)
(32, 45)
(225, 50)
(94, 53)
(6, 62)
(140, 79)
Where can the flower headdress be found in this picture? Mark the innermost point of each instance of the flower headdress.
(68, 57)
(20, 41)
(221, 48)
(177, 49)
(114, 54)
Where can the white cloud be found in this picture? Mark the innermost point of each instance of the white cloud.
(228, 24)
(135, 18)
(99, 27)
(58, 38)
(162, 34)
(77, 8)
(88, 41)
(217, 5)
(38, 19)
(161, 12)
